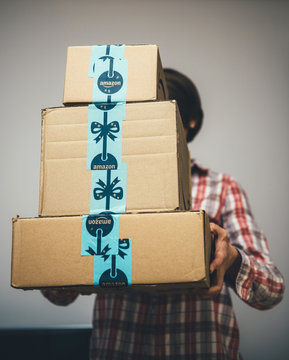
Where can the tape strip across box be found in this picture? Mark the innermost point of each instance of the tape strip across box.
(153, 148)
(166, 248)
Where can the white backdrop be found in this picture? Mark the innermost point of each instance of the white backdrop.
(237, 53)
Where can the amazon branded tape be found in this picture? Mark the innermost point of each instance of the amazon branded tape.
(108, 173)
(115, 72)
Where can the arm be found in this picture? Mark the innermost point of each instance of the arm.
(258, 282)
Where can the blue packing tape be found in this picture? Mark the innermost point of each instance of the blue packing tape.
(112, 255)
(109, 71)
(108, 190)
(104, 139)
(100, 229)
(99, 51)
(118, 273)
(96, 229)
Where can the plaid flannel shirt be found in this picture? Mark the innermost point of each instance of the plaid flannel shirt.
(134, 325)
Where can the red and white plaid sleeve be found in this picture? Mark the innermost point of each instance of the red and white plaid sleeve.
(259, 283)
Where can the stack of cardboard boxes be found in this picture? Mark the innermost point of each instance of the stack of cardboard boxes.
(115, 196)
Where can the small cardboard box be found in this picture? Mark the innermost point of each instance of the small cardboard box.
(145, 79)
(167, 248)
(153, 147)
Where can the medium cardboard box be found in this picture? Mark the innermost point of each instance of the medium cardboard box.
(145, 79)
(153, 147)
(166, 248)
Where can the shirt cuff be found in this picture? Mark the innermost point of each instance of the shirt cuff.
(245, 276)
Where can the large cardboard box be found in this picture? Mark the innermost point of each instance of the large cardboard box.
(145, 79)
(167, 248)
(153, 146)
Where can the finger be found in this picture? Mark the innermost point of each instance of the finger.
(219, 256)
(216, 289)
(217, 262)
(220, 276)
(216, 229)
(220, 246)
(211, 292)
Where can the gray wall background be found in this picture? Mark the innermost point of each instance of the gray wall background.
(237, 52)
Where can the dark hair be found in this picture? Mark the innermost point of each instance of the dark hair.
(184, 91)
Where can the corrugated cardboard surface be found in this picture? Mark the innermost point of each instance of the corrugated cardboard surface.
(153, 146)
(145, 82)
(166, 248)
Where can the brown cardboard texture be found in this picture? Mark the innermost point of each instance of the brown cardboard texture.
(167, 248)
(146, 80)
(153, 146)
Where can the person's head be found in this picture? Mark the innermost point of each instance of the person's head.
(184, 91)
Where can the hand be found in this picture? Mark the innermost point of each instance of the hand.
(225, 256)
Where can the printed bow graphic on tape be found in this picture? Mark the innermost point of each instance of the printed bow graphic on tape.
(114, 274)
(104, 130)
(103, 253)
(112, 255)
(108, 190)
(123, 244)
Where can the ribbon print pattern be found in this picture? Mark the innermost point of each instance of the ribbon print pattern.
(108, 190)
(104, 139)
(100, 234)
(100, 238)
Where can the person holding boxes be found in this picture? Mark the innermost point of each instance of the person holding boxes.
(197, 324)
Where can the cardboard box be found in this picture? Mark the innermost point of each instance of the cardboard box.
(167, 248)
(153, 146)
(145, 81)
